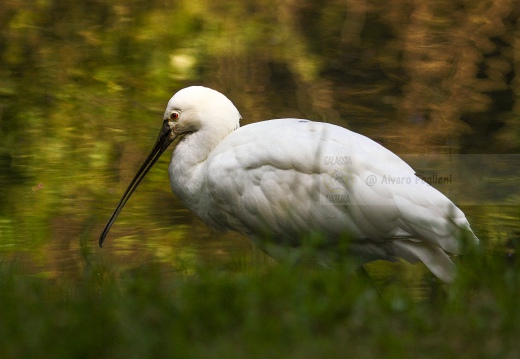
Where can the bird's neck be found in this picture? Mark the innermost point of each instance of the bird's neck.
(186, 170)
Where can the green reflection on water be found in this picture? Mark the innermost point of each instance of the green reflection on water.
(84, 86)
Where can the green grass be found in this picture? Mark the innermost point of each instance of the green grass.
(276, 311)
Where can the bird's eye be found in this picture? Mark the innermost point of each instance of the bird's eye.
(174, 115)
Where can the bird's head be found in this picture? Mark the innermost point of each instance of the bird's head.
(191, 110)
(198, 108)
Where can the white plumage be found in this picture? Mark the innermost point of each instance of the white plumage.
(278, 181)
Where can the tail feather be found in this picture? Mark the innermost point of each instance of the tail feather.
(433, 257)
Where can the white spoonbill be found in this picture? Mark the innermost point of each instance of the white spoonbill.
(280, 181)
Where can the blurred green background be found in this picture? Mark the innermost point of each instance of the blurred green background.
(83, 86)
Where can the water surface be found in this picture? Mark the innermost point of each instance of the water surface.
(84, 85)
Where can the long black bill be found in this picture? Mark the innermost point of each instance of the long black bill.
(166, 137)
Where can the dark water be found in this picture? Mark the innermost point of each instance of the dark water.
(83, 87)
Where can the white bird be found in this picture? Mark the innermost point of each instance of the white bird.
(280, 181)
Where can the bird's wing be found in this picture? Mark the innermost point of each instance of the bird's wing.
(288, 177)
